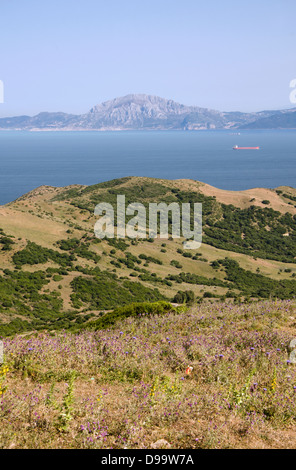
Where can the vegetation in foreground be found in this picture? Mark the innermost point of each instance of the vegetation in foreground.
(55, 274)
(97, 357)
(128, 385)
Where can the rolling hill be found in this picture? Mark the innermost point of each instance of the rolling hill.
(56, 274)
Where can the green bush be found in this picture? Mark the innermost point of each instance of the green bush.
(131, 310)
(182, 297)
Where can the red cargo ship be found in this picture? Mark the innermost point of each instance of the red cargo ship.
(236, 147)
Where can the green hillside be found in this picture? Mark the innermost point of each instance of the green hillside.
(56, 274)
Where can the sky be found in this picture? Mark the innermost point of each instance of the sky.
(69, 55)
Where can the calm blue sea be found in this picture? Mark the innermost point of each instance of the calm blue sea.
(31, 159)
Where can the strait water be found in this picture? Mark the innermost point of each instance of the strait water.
(32, 159)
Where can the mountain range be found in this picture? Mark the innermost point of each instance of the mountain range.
(147, 112)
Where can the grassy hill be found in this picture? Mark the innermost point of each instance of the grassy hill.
(97, 330)
(56, 274)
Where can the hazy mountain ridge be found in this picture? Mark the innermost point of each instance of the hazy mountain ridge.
(280, 120)
(147, 112)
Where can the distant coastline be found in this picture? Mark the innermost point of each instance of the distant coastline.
(147, 112)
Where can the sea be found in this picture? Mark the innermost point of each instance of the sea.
(57, 158)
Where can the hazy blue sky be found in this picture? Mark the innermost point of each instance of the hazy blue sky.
(68, 55)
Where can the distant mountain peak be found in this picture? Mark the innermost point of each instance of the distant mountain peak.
(149, 112)
(142, 101)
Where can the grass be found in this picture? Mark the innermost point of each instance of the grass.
(127, 387)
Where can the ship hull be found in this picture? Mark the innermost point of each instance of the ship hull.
(245, 148)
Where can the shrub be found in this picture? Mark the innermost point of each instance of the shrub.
(131, 310)
(186, 296)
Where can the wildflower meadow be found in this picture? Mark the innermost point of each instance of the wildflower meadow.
(215, 375)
